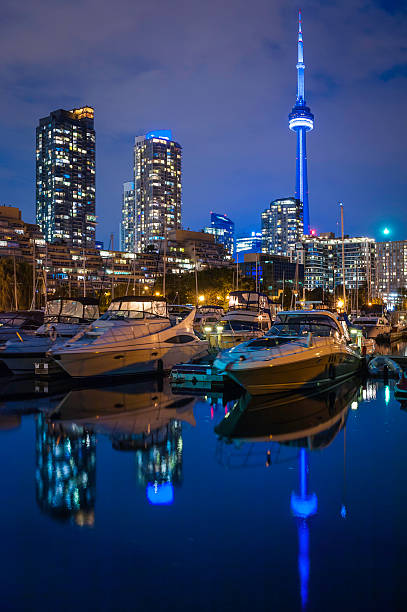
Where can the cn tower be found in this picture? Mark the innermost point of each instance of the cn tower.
(301, 120)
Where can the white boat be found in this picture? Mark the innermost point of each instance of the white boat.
(248, 316)
(19, 323)
(373, 325)
(135, 335)
(207, 317)
(303, 349)
(63, 319)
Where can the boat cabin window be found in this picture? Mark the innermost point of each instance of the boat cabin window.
(236, 325)
(181, 339)
(293, 325)
(135, 310)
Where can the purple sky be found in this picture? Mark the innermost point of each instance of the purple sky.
(222, 76)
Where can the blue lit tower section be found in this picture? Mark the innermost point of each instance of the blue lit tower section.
(66, 472)
(159, 464)
(303, 506)
(301, 120)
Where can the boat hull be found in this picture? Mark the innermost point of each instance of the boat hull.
(86, 364)
(310, 372)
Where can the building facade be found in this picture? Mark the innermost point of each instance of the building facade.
(322, 258)
(249, 244)
(77, 271)
(224, 231)
(65, 177)
(282, 226)
(273, 272)
(157, 183)
(391, 266)
(301, 120)
(128, 222)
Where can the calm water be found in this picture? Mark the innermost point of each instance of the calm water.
(131, 497)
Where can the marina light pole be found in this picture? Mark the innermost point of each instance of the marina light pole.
(301, 121)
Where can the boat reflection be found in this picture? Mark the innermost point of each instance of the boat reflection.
(66, 471)
(308, 422)
(145, 418)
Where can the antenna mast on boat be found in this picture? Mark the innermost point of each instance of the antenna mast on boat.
(34, 280)
(196, 276)
(111, 250)
(343, 260)
(165, 259)
(84, 272)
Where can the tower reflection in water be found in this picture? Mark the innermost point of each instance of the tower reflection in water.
(66, 471)
(159, 464)
(307, 423)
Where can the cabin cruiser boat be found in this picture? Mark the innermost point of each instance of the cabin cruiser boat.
(373, 325)
(135, 335)
(63, 319)
(303, 349)
(248, 316)
(207, 317)
(19, 323)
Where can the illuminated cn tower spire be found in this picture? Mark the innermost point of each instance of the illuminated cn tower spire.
(301, 120)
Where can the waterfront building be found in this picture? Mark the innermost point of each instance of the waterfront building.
(391, 266)
(65, 472)
(322, 258)
(157, 183)
(249, 244)
(76, 271)
(301, 120)
(128, 221)
(224, 231)
(273, 272)
(65, 177)
(281, 226)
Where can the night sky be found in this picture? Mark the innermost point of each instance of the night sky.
(222, 76)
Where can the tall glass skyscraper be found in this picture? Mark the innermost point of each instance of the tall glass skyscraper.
(301, 120)
(128, 222)
(157, 182)
(223, 229)
(281, 226)
(65, 177)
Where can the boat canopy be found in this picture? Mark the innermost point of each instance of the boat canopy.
(79, 308)
(249, 299)
(209, 309)
(145, 304)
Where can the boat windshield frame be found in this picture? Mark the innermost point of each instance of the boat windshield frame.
(300, 330)
(132, 315)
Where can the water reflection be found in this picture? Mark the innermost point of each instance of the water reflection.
(145, 418)
(308, 422)
(66, 471)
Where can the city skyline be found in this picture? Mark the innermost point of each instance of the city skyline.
(360, 166)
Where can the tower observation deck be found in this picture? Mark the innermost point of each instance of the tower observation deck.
(301, 120)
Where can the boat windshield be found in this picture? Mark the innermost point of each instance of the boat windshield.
(301, 326)
(123, 315)
(236, 325)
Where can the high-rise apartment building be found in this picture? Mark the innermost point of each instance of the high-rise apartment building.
(157, 183)
(281, 226)
(224, 231)
(391, 265)
(128, 222)
(322, 257)
(65, 176)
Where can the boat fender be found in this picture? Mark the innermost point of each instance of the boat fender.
(53, 333)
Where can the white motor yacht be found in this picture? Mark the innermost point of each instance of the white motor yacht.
(134, 335)
(248, 316)
(207, 317)
(373, 325)
(303, 349)
(63, 319)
